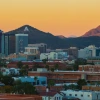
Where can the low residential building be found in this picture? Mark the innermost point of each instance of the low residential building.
(91, 87)
(91, 68)
(19, 97)
(34, 80)
(68, 76)
(9, 71)
(94, 61)
(83, 94)
(70, 98)
(31, 64)
(51, 88)
(51, 95)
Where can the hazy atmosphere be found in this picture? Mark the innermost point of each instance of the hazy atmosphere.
(59, 17)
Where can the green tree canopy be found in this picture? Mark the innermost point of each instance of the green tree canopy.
(19, 64)
(7, 80)
(56, 66)
(51, 83)
(24, 88)
(78, 62)
(81, 82)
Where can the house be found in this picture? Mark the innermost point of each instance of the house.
(69, 98)
(51, 95)
(9, 71)
(83, 94)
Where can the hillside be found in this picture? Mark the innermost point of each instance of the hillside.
(93, 32)
(53, 42)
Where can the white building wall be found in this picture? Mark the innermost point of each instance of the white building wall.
(84, 53)
(55, 97)
(53, 55)
(83, 95)
(44, 56)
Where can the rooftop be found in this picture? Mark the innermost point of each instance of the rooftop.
(18, 97)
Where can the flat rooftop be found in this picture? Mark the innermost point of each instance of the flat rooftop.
(19, 97)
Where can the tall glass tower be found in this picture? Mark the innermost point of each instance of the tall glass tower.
(21, 42)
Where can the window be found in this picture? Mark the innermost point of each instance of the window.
(75, 94)
(81, 95)
(59, 98)
(88, 95)
(70, 94)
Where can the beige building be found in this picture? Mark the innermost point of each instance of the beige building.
(31, 50)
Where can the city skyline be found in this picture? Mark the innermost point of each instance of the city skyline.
(59, 17)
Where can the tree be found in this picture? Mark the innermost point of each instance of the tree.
(47, 66)
(8, 89)
(52, 69)
(7, 80)
(44, 61)
(24, 88)
(3, 63)
(71, 86)
(56, 66)
(51, 83)
(81, 82)
(24, 70)
(79, 62)
(19, 64)
(65, 87)
(35, 78)
(35, 66)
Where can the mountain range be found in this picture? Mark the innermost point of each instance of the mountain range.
(53, 42)
(93, 32)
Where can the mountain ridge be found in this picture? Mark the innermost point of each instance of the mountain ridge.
(92, 32)
(54, 42)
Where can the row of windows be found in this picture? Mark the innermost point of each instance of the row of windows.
(81, 95)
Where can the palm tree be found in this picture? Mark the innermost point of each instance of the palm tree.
(56, 66)
(47, 66)
(51, 83)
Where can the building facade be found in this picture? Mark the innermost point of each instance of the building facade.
(54, 55)
(83, 94)
(21, 42)
(42, 47)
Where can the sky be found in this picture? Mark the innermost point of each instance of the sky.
(59, 17)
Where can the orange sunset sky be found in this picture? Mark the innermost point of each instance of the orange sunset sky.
(59, 17)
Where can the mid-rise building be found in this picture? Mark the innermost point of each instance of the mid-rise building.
(84, 53)
(42, 47)
(88, 52)
(32, 50)
(73, 51)
(54, 55)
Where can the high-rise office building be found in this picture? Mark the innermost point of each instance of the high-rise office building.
(7, 44)
(21, 42)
